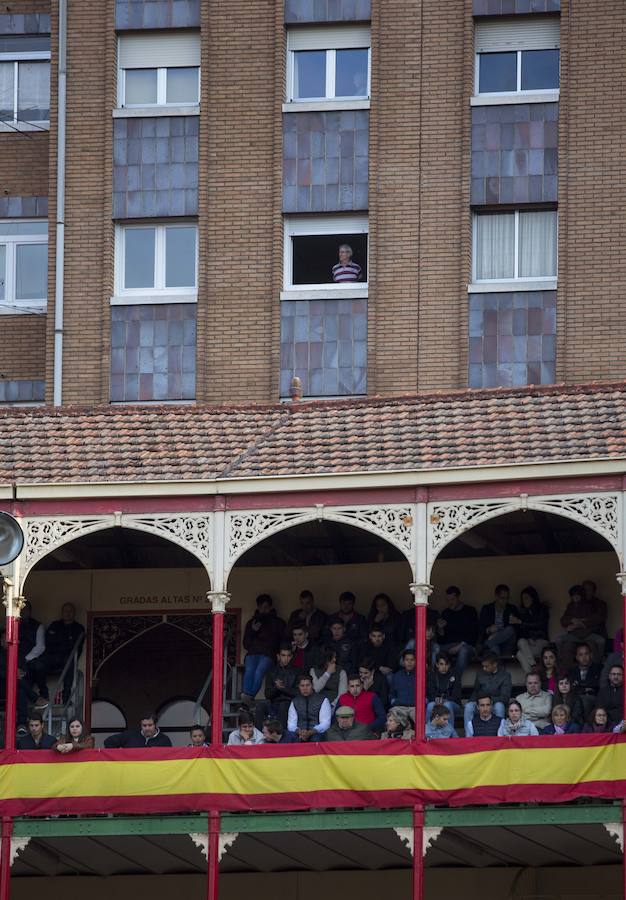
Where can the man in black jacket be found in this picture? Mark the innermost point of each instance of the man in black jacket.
(148, 735)
(310, 616)
(457, 629)
(611, 696)
(36, 739)
(280, 689)
(585, 677)
(381, 650)
(62, 636)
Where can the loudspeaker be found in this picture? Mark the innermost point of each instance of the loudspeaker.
(11, 538)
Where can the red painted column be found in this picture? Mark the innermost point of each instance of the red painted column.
(418, 852)
(213, 850)
(218, 599)
(621, 577)
(421, 593)
(5, 858)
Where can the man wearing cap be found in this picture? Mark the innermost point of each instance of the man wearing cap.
(346, 729)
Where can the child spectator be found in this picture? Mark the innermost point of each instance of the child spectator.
(515, 724)
(532, 628)
(484, 723)
(561, 722)
(197, 736)
(439, 725)
(492, 681)
(443, 688)
(398, 726)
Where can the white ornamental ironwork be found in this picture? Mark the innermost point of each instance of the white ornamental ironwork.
(394, 524)
(191, 531)
(42, 536)
(600, 512)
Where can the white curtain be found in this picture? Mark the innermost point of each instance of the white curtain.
(33, 91)
(537, 244)
(6, 90)
(495, 246)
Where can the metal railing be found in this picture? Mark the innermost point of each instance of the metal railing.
(73, 701)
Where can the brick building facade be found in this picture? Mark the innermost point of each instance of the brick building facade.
(262, 166)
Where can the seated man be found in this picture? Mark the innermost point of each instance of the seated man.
(611, 697)
(496, 631)
(438, 724)
(368, 710)
(344, 648)
(280, 688)
(197, 736)
(62, 635)
(148, 735)
(492, 681)
(310, 616)
(373, 680)
(261, 640)
(245, 733)
(443, 688)
(536, 704)
(36, 739)
(347, 729)
(309, 713)
(484, 723)
(275, 733)
(353, 622)
(584, 619)
(305, 653)
(380, 649)
(457, 630)
(585, 677)
(402, 692)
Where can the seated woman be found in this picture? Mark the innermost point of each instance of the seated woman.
(548, 668)
(78, 738)
(565, 695)
(515, 724)
(561, 722)
(398, 726)
(598, 722)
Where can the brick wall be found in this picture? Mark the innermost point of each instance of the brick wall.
(592, 237)
(23, 345)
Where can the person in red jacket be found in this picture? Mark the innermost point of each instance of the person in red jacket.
(368, 709)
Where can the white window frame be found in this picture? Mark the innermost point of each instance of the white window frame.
(309, 226)
(179, 108)
(10, 305)
(542, 95)
(16, 124)
(328, 40)
(488, 285)
(161, 101)
(159, 293)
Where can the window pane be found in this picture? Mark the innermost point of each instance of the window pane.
(497, 72)
(540, 70)
(33, 91)
(3, 263)
(180, 257)
(315, 255)
(495, 246)
(310, 74)
(182, 85)
(31, 271)
(139, 258)
(537, 244)
(351, 73)
(7, 70)
(141, 87)
(23, 228)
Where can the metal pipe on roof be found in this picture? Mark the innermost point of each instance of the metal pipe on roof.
(59, 286)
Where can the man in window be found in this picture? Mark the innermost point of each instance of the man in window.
(346, 270)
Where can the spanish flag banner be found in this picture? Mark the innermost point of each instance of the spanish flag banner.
(288, 777)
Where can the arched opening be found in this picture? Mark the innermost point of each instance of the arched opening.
(529, 547)
(327, 558)
(142, 600)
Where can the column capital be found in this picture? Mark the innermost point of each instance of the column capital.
(421, 593)
(621, 577)
(218, 601)
(13, 605)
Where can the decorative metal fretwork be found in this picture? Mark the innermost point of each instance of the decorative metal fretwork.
(42, 536)
(192, 531)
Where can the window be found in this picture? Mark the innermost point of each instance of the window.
(515, 245)
(24, 80)
(23, 266)
(312, 252)
(159, 69)
(328, 64)
(156, 263)
(517, 57)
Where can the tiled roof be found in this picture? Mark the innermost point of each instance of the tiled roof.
(425, 431)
